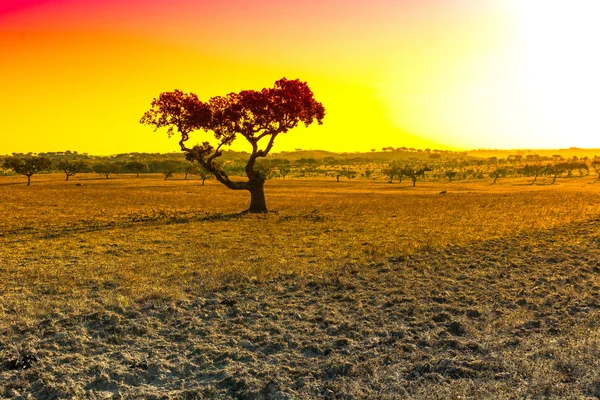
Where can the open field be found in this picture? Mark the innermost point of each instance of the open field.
(139, 288)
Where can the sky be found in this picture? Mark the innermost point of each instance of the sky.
(441, 74)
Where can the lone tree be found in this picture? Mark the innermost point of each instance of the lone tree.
(27, 166)
(70, 168)
(254, 115)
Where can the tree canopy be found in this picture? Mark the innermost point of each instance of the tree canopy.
(258, 116)
(27, 166)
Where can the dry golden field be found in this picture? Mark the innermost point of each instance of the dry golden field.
(140, 288)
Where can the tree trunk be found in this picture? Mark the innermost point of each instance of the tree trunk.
(28, 180)
(414, 182)
(67, 177)
(257, 197)
(203, 179)
(137, 174)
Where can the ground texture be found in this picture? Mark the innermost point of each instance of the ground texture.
(123, 289)
(506, 318)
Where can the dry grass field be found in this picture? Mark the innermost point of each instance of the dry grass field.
(139, 288)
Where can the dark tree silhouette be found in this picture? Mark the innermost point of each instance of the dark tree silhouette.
(136, 166)
(534, 170)
(254, 115)
(348, 173)
(28, 166)
(596, 166)
(70, 168)
(580, 166)
(414, 173)
(497, 173)
(450, 174)
(393, 170)
(554, 171)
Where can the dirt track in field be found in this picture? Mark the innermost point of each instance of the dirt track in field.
(507, 318)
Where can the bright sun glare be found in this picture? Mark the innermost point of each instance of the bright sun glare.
(562, 68)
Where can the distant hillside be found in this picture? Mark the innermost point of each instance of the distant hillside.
(566, 153)
(382, 156)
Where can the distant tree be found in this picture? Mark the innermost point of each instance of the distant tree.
(497, 173)
(70, 167)
(105, 168)
(596, 166)
(414, 173)
(168, 167)
(28, 166)
(583, 168)
(566, 166)
(187, 168)
(203, 173)
(348, 173)
(392, 171)
(254, 115)
(554, 171)
(450, 174)
(368, 173)
(136, 166)
(534, 170)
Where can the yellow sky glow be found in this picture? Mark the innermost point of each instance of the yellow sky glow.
(443, 74)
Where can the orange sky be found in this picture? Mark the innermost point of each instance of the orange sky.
(455, 74)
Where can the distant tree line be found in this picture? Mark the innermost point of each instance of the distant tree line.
(451, 167)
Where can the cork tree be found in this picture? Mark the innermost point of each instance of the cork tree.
(257, 116)
(70, 167)
(28, 166)
(136, 167)
(533, 170)
(415, 173)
